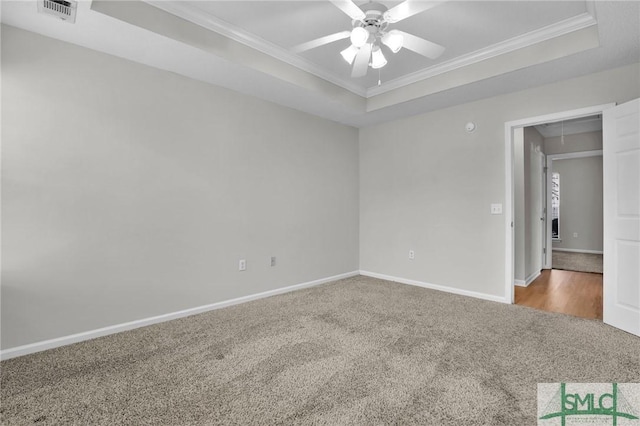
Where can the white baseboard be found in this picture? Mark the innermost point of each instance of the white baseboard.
(528, 280)
(436, 287)
(578, 250)
(92, 334)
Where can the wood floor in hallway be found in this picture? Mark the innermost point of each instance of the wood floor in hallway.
(567, 292)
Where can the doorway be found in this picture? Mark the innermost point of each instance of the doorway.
(621, 218)
(575, 231)
(558, 227)
(511, 133)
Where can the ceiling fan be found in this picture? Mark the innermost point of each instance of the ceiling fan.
(370, 31)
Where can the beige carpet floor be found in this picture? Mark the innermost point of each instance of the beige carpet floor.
(581, 262)
(359, 351)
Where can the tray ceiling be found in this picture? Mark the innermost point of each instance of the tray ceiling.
(491, 48)
(462, 27)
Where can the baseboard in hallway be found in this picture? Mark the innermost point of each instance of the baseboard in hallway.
(528, 280)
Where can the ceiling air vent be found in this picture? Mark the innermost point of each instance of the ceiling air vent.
(63, 9)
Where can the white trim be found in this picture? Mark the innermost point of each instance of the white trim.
(550, 159)
(435, 287)
(509, 187)
(92, 334)
(557, 29)
(579, 251)
(510, 213)
(544, 193)
(559, 116)
(549, 223)
(531, 278)
(191, 13)
(579, 154)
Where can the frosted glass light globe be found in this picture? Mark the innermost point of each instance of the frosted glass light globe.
(393, 40)
(377, 59)
(359, 36)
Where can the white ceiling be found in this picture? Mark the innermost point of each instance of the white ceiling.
(461, 27)
(491, 48)
(571, 127)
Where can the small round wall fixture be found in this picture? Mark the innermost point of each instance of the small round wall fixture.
(470, 127)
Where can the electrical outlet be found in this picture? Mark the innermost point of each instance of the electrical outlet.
(575, 235)
(273, 261)
(242, 265)
(412, 255)
(496, 208)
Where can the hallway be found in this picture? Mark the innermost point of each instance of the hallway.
(573, 293)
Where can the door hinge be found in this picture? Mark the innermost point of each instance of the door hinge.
(544, 250)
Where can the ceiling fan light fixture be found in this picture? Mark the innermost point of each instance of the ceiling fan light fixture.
(370, 30)
(349, 54)
(377, 59)
(393, 40)
(359, 36)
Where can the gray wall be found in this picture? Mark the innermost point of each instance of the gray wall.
(129, 192)
(533, 201)
(528, 150)
(580, 203)
(427, 185)
(519, 254)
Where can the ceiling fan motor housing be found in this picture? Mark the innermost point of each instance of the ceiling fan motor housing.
(374, 21)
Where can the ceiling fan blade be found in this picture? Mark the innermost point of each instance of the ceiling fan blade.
(419, 45)
(361, 63)
(350, 8)
(320, 41)
(408, 8)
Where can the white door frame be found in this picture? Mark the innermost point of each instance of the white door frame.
(544, 194)
(509, 179)
(550, 159)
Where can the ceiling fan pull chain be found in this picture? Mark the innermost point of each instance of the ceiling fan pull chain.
(379, 80)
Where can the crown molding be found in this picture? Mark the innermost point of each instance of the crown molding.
(558, 29)
(195, 15)
(191, 13)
